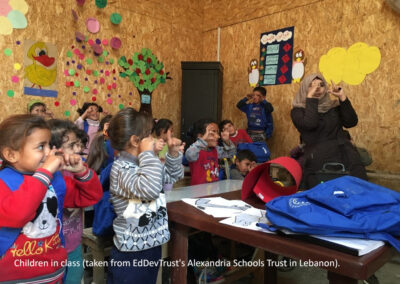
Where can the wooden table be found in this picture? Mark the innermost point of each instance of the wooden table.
(349, 268)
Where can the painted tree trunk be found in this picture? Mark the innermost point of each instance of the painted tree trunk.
(145, 101)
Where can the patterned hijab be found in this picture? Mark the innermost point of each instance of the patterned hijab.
(324, 103)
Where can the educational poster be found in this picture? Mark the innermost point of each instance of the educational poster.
(276, 48)
(40, 69)
(351, 65)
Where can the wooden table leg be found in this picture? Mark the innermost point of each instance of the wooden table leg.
(270, 271)
(335, 278)
(178, 250)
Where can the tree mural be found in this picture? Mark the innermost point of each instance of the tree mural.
(146, 73)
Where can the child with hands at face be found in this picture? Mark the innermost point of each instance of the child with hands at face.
(88, 120)
(245, 162)
(32, 195)
(259, 114)
(67, 138)
(136, 188)
(203, 154)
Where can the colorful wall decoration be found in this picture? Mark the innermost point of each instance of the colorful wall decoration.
(351, 65)
(145, 72)
(40, 69)
(12, 15)
(276, 57)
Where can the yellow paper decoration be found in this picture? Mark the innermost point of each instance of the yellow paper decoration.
(5, 26)
(351, 65)
(19, 5)
(17, 66)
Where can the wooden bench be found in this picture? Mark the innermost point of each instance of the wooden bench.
(99, 249)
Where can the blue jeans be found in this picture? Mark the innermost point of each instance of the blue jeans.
(125, 267)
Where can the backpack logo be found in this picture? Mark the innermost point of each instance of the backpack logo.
(296, 203)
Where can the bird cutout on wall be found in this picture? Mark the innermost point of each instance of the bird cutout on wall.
(41, 69)
(299, 61)
(254, 73)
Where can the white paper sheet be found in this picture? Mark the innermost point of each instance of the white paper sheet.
(218, 207)
(248, 220)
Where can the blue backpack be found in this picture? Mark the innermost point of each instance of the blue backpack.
(343, 207)
(259, 149)
(104, 213)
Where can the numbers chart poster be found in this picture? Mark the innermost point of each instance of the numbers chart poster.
(276, 48)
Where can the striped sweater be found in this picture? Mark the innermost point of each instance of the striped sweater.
(136, 193)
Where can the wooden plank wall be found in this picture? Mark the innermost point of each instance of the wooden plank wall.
(319, 26)
(171, 29)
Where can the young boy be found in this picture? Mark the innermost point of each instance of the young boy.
(235, 135)
(245, 162)
(258, 112)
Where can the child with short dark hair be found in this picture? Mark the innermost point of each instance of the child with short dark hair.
(259, 114)
(203, 154)
(136, 182)
(235, 135)
(245, 161)
(32, 195)
(36, 107)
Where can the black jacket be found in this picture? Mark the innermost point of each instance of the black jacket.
(326, 140)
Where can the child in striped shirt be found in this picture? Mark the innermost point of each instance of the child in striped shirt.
(136, 182)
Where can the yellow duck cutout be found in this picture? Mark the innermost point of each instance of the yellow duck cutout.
(298, 66)
(254, 73)
(38, 72)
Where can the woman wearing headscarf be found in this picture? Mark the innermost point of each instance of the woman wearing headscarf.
(320, 122)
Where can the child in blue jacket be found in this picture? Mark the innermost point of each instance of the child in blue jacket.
(259, 114)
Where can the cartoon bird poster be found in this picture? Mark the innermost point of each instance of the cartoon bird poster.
(40, 69)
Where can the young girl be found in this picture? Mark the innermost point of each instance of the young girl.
(203, 154)
(88, 120)
(101, 153)
(136, 182)
(32, 195)
(64, 137)
(160, 130)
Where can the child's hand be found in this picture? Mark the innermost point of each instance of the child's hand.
(147, 144)
(312, 89)
(158, 145)
(249, 96)
(225, 136)
(53, 162)
(87, 112)
(174, 144)
(252, 166)
(73, 163)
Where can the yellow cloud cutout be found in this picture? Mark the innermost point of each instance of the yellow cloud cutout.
(351, 65)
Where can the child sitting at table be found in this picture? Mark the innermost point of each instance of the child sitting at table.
(244, 163)
(203, 154)
(235, 135)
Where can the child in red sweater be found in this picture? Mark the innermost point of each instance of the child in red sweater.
(203, 154)
(32, 195)
(235, 135)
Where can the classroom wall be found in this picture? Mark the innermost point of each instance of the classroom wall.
(319, 26)
(186, 30)
(171, 29)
